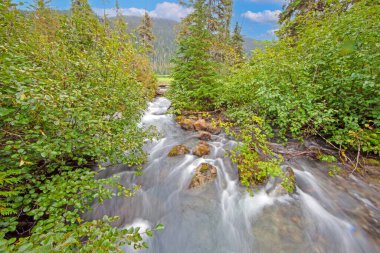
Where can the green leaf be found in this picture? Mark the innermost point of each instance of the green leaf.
(160, 227)
(5, 111)
(149, 232)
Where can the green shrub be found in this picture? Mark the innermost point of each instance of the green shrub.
(71, 97)
(254, 159)
(326, 80)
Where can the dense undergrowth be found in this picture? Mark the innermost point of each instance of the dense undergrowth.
(321, 77)
(325, 80)
(72, 93)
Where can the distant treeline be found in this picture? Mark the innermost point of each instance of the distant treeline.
(165, 44)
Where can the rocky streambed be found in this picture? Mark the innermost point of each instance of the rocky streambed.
(190, 185)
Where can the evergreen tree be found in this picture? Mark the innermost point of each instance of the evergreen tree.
(145, 31)
(237, 43)
(194, 74)
(41, 4)
(43, 20)
(295, 8)
(219, 13)
(224, 15)
(85, 23)
(121, 25)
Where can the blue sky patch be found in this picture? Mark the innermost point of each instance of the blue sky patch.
(258, 17)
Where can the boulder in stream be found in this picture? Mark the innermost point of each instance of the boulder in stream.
(203, 125)
(213, 130)
(160, 92)
(204, 136)
(187, 124)
(204, 174)
(178, 150)
(280, 189)
(200, 125)
(203, 148)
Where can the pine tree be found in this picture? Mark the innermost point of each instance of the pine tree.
(41, 4)
(237, 43)
(121, 25)
(194, 72)
(85, 23)
(218, 14)
(43, 20)
(145, 32)
(295, 8)
(224, 15)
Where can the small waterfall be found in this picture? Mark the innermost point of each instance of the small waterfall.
(324, 215)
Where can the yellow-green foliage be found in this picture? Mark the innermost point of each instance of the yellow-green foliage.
(325, 80)
(164, 79)
(72, 93)
(255, 161)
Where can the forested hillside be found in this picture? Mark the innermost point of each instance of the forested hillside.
(165, 46)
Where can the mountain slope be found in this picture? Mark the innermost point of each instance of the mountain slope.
(165, 45)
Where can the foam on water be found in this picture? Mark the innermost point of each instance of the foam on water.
(222, 216)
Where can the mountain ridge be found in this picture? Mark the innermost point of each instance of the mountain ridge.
(165, 42)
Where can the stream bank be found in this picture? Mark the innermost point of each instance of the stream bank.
(324, 215)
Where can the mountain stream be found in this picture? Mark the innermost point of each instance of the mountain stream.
(325, 214)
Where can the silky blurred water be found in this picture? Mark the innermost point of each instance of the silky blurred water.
(324, 215)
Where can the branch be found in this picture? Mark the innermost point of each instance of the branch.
(19, 136)
(357, 159)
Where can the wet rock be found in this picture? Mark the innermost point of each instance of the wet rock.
(204, 174)
(371, 161)
(289, 172)
(213, 130)
(179, 150)
(279, 191)
(203, 125)
(117, 115)
(160, 92)
(187, 124)
(291, 183)
(203, 148)
(204, 136)
(200, 124)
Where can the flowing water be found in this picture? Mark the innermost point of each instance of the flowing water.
(324, 215)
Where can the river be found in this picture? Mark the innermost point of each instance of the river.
(325, 214)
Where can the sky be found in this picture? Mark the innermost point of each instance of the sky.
(257, 17)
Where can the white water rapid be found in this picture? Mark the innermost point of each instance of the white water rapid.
(325, 214)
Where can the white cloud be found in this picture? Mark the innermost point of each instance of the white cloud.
(269, 1)
(125, 12)
(165, 10)
(132, 12)
(272, 32)
(268, 35)
(266, 16)
(170, 11)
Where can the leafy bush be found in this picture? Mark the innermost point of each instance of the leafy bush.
(325, 80)
(255, 161)
(72, 94)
